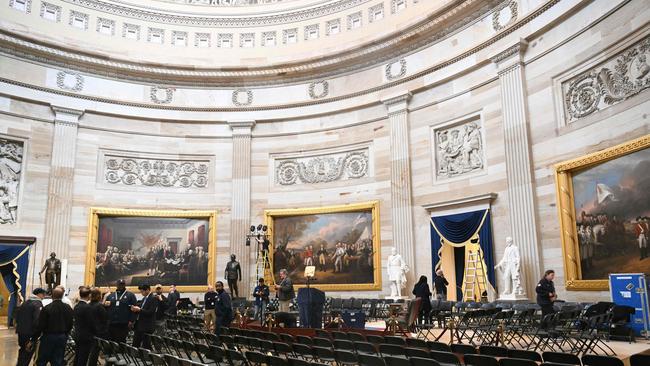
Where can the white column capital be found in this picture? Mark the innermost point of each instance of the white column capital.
(397, 103)
(242, 128)
(511, 56)
(65, 115)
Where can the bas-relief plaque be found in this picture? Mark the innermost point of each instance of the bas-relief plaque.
(618, 78)
(322, 168)
(11, 159)
(459, 149)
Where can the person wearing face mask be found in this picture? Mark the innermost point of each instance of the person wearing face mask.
(120, 317)
(223, 307)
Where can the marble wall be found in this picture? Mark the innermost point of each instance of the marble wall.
(508, 99)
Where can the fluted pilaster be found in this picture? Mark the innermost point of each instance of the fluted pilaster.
(241, 198)
(400, 191)
(521, 195)
(59, 199)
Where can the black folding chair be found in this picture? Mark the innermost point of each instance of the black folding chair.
(480, 360)
(418, 361)
(445, 358)
(495, 351)
(345, 357)
(640, 359)
(516, 362)
(525, 354)
(598, 360)
(371, 360)
(561, 357)
(396, 361)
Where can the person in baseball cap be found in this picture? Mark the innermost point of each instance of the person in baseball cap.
(120, 317)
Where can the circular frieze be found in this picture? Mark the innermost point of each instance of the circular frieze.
(395, 70)
(319, 89)
(242, 97)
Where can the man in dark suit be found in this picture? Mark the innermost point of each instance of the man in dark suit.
(85, 326)
(172, 300)
(54, 323)
(223, 307)
(26, 325)
(145, 323)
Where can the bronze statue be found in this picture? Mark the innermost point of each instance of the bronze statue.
(233, 275)
(52, 269)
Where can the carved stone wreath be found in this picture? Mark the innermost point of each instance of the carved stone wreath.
(619, 78)
(169, 95)
(496, 22)
(322, 169)
(325, 89)
(401, 73)
(156, 173)
(237, 102)
(63, 81)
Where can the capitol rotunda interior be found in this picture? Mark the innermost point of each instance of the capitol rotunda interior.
(150, 140)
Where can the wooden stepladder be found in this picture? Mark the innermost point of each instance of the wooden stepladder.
(475, 280)
(264, 269)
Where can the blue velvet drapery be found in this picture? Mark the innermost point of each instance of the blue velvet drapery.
(459, 228)
(14, 263)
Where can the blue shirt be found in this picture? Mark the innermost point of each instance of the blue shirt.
(264, 289)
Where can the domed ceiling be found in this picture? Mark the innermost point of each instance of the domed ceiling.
(230, 42)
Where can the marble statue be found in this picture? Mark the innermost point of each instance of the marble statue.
(459, 150)
(397, 269)
(11, 157)
(509, 264)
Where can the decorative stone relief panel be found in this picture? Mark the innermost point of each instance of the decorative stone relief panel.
(11, 162)
(459, 148)
(161, 95)
(323, 168)
(311, 31)
(131, 31)
(78, 17)
(333, 27)
(224, 40)
(395, 70)
(269, 38)
(242, 97)
(504, 15)
(50, 12)
(69, 80)
(616, 79)
(355, 20)
(290, 35)
(21, 5)
(122, 170)
(106, 26)
(246, 40)
(376, 12)
(319, 89)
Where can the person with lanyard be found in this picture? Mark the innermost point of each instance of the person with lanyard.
(223, 307)
(85, 326)
(546, 293)
(210, 315)
(120, 317)
(54, 323)
(145, 318)
(261, 295)
(27, 325)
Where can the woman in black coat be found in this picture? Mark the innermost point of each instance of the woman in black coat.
(421, 290)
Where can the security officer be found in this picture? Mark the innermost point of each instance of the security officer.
(120, 317)
(546, 293)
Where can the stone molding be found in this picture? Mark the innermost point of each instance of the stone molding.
(617, 78)
(322, 168)
(481, 199)
(517, 49)
(361, 57)
(398, 103)
(152, 15)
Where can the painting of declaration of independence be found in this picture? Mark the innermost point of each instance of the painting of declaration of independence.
(612, 203)
(152, 250)
(343, 246)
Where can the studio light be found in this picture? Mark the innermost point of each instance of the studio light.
(252, 228)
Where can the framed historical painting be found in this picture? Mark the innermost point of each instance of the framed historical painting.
(342, 242)
(151, 247)
(604, 209)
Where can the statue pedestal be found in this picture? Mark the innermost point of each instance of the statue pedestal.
(512, 297)
(395, 298)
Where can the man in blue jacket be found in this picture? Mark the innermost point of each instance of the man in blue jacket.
(120, 317)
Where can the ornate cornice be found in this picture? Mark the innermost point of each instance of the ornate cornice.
(459, 14)
(249, 20)
(517, 49)
(66, 116)
(242, 128)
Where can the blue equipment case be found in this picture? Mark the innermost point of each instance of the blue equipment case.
(631, 289)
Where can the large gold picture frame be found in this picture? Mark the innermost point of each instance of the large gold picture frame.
(567, 212)
(373, 206)
(93, 232)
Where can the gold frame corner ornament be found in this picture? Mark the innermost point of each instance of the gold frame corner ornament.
(566, 210)
(373, 206)
(93, 231)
